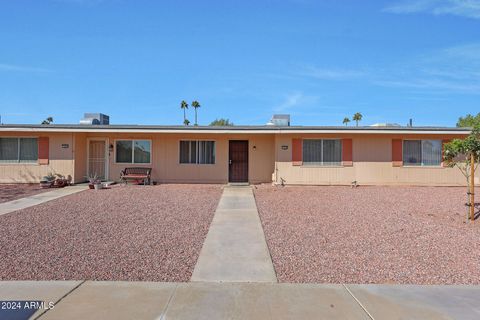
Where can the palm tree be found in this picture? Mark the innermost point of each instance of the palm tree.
(195, 104)
(48, 120)
(357, 117)
(184, 106)
(186, 122)
(346, 120)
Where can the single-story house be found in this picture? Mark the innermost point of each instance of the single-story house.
(382, 155)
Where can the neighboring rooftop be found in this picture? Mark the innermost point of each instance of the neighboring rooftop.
(238, 129)
(279, 123)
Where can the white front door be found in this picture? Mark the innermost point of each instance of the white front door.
(97, 158)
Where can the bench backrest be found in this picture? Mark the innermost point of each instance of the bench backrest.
(145, 171)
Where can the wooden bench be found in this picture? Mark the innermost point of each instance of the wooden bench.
(137, 174)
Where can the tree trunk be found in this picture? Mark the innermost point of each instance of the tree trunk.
(472, 187)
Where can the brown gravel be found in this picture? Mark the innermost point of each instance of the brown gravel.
(9, 192)
(407, 235)
(141, 233)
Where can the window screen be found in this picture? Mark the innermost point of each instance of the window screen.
(422, 152)
(197, 152)
(322, 152)
(141, 152)
(15, 150)
(133, 151)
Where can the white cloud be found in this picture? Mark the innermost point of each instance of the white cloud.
(81, 2)
(295, 100)
(454, 69)
(464, 8)
(468, 51)
(330, 74)
(436, 84)
(13, 67)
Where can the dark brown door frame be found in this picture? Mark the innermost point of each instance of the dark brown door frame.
(238, 161)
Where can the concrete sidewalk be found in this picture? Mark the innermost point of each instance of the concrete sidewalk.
(199, 300)
(39, 198)
(235, 249)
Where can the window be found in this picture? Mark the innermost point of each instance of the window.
(322, 152)
(18, 150)
(197, 152)
(133, 151)
(422, 152)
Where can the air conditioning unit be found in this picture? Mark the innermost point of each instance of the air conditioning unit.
(279, 120)
(95, 119)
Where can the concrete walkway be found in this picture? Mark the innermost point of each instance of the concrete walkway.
(200, 300)
(29, 201)
(235, 249)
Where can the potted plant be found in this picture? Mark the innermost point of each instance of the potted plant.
(94, 181)
(47, 181)
(97, 185)
(60, 181)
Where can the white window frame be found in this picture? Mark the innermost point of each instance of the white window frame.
(197, 154)
(307, 164)
(18, 152)
(421, 165)
(133, 152)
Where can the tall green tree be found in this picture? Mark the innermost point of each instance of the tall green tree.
(184, 106)
(195, 104)
(346, 120)
(465, 155)
(221, 122)
(357, 117)
(469, 121)
(49, 120)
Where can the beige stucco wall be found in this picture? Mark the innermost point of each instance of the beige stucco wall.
(165, 158)
(371, 161)
(60, 160)
(372, 164)
(80, 156)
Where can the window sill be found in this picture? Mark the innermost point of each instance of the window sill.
(19, 163)
(325, 166)
(424, 167)
(197, 164)
(132, 164)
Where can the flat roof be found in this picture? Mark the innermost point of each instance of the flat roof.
(229, 129)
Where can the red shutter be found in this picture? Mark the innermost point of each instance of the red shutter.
(397, 152)
(347, 153)
(297, 152)
(443, 150)
(43, 150)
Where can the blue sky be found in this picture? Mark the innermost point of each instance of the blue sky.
(244, 60)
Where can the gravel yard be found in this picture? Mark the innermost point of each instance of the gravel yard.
(9, 192)
(141, 233)
(405, 235)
